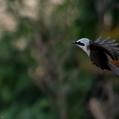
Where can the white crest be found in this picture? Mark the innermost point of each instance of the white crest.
(86, 43)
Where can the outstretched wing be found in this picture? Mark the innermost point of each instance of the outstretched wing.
(100, 48)
(107, 45)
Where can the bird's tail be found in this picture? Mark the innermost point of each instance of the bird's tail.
(114, 69)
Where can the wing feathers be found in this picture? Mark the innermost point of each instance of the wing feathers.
(111, 47)
(114, 69)
(100, 48)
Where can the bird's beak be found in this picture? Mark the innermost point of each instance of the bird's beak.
(74, 42)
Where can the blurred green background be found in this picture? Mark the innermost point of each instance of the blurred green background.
(42, 76)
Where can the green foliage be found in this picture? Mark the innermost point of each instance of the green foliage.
(20, 98)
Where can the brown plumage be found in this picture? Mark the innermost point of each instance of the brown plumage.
(115, 62)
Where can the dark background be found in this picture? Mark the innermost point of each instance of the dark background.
(42, 76)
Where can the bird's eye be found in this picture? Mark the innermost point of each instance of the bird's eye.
(79, 43)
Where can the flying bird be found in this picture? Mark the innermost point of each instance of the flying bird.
(104, 53)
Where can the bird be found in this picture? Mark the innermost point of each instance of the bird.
(103, 52)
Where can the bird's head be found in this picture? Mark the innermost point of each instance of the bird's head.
(83, 43)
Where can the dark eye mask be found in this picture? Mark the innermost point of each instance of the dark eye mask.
(79, 43)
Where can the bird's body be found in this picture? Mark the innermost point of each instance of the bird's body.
(104, 53)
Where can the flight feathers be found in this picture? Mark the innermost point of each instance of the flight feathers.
(109, 46)
(114, 69)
